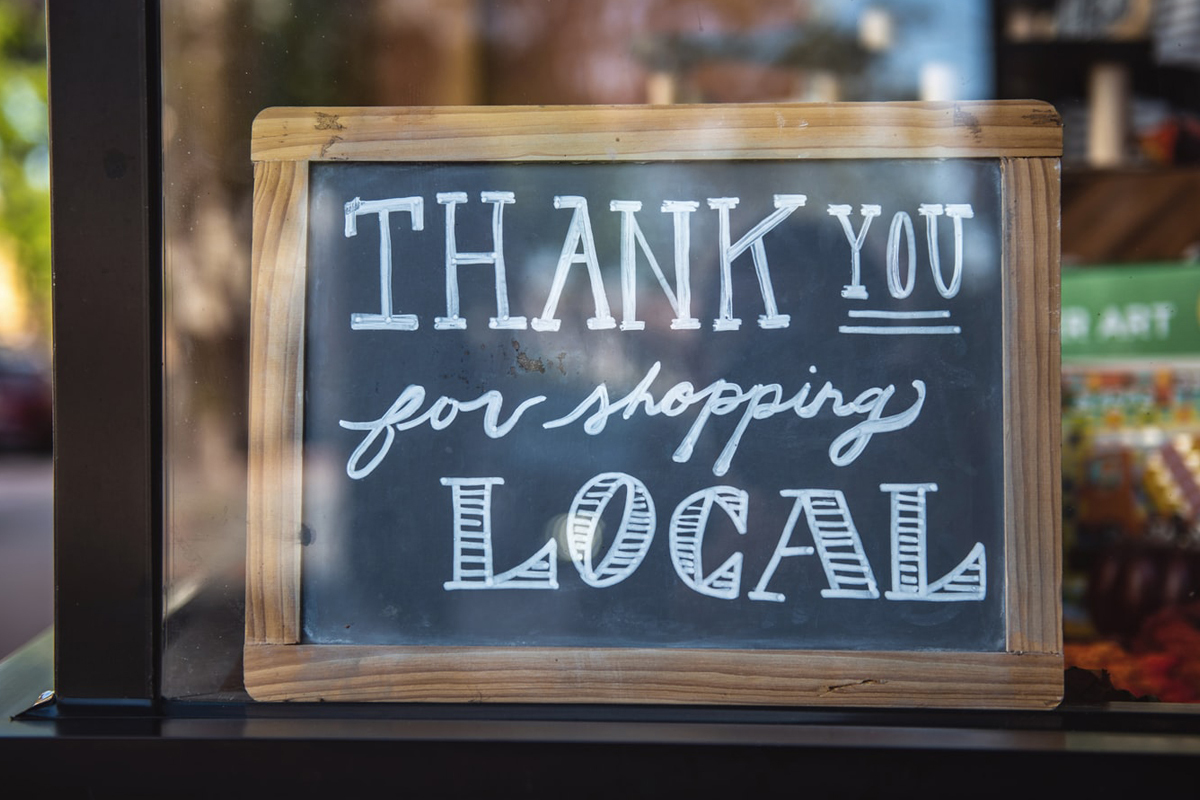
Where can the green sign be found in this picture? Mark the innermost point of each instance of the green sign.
(1131, 310)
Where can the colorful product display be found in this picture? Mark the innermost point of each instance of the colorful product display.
(1131, 525)
(1131, 476)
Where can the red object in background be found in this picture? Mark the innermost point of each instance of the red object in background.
(26, 405)
(1175, 141)
(1162, 662)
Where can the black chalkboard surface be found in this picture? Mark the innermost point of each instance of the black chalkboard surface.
(385, 538)
(618, 408)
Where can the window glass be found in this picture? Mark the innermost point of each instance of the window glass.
(225, 60)
(1128, 99)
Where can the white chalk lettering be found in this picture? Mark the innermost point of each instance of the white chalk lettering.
(896, 330)
(761, 402)
(957, 212)
(579, 247)
(910, 580)
(838, 545)
(785, 204)
(454, 259)
(386, 319)
(579, 233)
(836, 542)
(634, 533)
(680, 211)
(440, 414)
(767, 404)
(855, 289)
(680, 297)
(901, 227)
(784, 549)
(686, 540)
(472, 569)
(720, 398)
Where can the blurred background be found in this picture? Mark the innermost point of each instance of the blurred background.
(26, 547)
(1124, 74)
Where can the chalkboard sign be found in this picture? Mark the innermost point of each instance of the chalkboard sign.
(696, 404)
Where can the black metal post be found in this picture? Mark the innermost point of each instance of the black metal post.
(106, 206)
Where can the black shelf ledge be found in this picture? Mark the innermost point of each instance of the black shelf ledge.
(308, 750)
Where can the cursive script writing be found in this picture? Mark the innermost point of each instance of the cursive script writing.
(719, 398)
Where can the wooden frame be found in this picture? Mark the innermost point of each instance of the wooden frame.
(1025, 137)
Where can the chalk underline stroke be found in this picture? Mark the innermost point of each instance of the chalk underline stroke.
(894, 330)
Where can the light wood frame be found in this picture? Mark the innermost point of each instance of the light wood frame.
(1026, 139)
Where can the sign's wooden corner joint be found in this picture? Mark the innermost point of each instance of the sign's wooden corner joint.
(629, 405)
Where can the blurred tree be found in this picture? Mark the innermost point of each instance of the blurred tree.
(25, 153)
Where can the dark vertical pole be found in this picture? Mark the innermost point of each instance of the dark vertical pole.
(999, 53)
(105, 152)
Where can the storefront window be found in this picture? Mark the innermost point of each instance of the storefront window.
(224, 61)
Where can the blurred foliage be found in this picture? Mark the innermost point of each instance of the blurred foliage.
(25, 150)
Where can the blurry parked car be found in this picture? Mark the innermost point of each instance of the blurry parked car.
(26, 415)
